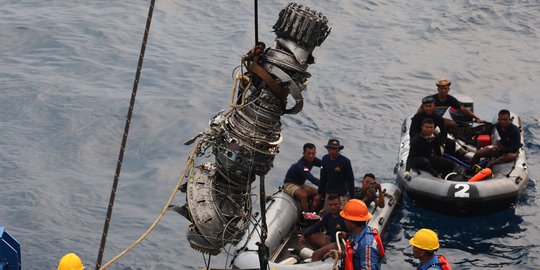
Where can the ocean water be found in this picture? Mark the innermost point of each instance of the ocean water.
(67, 70)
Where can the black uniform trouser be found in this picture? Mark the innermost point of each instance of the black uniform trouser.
(434, 165)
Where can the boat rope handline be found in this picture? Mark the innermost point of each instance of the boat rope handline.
(336, 253)
(189, 164)
(125, 136)
(511, 170)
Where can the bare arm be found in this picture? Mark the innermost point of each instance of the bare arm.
(379, 201)
(471, 114)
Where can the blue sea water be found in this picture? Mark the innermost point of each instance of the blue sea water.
(67, 70)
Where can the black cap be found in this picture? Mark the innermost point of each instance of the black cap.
(428, 99)
(333, 143)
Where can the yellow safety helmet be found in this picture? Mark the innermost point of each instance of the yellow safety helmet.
(70, 261)
(425, 239)
(355, 210)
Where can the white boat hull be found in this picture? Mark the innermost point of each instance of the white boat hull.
(282, 215)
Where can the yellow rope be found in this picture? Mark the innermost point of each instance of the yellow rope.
(163, 211)
(190, 161)
(336, 256)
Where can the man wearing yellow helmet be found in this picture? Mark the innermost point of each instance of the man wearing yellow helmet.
(70, 261)
(425, 242)
(365, 242)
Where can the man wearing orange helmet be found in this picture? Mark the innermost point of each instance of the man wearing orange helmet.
(365, 242)
(425, 242)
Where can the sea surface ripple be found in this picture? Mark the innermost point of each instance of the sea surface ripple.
(67, 70)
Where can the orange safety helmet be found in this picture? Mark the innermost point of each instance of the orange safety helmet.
(355, 210)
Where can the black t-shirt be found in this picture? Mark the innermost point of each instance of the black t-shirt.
(442, 106)
(416, 124)
(423, 147)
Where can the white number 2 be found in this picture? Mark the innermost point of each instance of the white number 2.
(462, 190)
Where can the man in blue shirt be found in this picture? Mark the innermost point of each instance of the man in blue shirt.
(331, 222)
(367, 245)
(295, 179)
(507, 148)
(336, 173)
(424, 244)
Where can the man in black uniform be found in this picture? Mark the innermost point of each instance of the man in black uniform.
(428, 111)
(443, 100)
(425, 153)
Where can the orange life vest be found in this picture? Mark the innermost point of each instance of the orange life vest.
(349, 251)
(442, 263)
(379, 241)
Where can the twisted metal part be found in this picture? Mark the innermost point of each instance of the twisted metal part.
(245, 140)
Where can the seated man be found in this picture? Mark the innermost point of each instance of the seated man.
(296, 176)
(425, 153)
(332, 222)
(428, 111)
(371, 191)
(507, 148)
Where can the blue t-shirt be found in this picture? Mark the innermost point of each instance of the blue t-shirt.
(366, 250)
(336, 176)
(510, 139)
(301, 170)
(433, 263)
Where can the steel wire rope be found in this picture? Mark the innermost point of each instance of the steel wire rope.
(125, 136)
(262, 202)
(254, 222)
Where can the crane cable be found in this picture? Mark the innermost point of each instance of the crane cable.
(125, 136)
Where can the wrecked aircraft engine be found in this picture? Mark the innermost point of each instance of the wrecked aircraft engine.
(245, 139)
